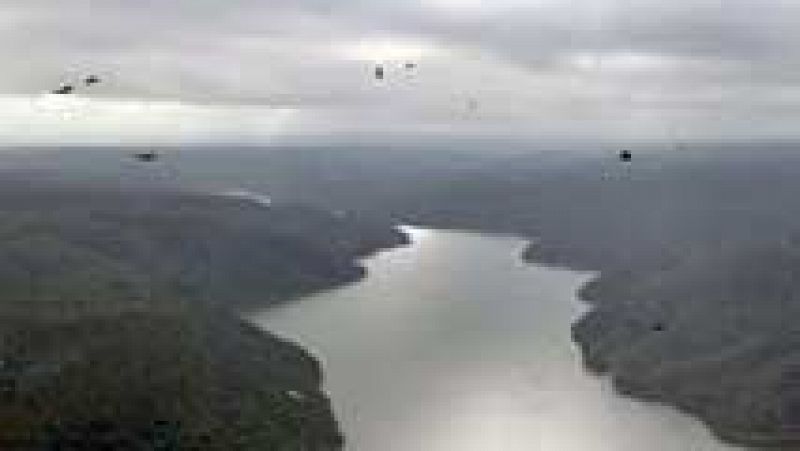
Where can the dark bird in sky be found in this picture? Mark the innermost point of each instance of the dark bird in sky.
(410, 65)
(625, 156)
(91, 80)
(379, 72)
(146, 157)
(63, 90)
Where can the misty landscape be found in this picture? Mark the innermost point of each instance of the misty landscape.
(399, 225)
(693, 306)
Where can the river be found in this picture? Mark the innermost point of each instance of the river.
(454, 343)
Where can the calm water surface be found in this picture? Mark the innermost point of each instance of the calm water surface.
(455, 344)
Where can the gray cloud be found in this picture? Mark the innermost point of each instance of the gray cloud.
(543, 60)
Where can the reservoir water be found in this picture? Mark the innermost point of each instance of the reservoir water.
(454, 343)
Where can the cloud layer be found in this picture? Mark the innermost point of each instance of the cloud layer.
(612, 68)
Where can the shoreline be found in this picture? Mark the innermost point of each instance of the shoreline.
(586, 308)
(596, 366)
(599, 367)
(404, 239)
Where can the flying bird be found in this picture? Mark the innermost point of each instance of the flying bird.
(379, 72)
(91, 80)
(63, 90)
(146, 157)
(625, 156)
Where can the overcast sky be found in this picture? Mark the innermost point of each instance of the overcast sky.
(260, 70)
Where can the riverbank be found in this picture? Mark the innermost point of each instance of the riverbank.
(118, 324)
(655, 348)
(597, 355)
(195, 379)
(454, 343)
(705, 329)
(626, 383)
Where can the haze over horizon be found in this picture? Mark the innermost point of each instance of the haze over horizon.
(181, 71)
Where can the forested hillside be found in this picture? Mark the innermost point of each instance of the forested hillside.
(119, 326)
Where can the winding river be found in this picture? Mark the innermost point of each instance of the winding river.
(454, 343)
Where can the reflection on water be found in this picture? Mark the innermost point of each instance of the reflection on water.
(453, 343)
